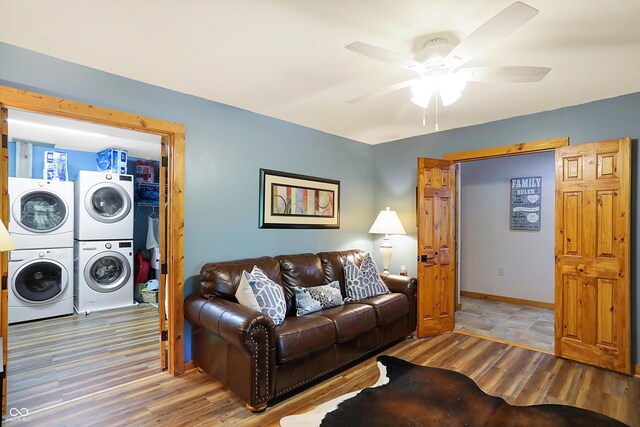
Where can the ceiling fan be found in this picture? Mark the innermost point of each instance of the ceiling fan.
(437, 63)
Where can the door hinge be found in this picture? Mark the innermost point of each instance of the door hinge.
(165, 161)
(5, 141)
(4, 283)
(164, 335)
(163, 268)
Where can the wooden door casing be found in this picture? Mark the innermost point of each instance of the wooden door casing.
(592, 254)
(436, 246)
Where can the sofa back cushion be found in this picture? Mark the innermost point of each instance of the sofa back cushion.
(333, 265)
(222, 278)
(303, 270)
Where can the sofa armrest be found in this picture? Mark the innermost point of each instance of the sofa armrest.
(408, 286)
(248, 368)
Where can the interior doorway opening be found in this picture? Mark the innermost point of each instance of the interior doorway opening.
(506, 251)
(171, 328)
(81, 319)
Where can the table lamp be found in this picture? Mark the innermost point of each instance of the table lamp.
(6, 242)
(387, 223)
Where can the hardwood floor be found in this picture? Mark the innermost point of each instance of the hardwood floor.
(58, 360)
(522, 377)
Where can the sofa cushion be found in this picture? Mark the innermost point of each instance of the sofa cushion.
(310, 300)
(351, 320)
(333, 264)
(304, 270)
(388, 307)
(298, 336)
(256, 290)
(364, 281)
(222, 278)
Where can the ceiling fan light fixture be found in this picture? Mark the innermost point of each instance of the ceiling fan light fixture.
(421, 91)
(450, 87)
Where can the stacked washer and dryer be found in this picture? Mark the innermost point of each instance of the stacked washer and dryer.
(75, 245)
(103, 246)
(41, 270)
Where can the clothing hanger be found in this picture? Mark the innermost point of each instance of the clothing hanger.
(153, 211)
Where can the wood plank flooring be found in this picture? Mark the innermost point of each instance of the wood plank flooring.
(57, 360)
(520, 376)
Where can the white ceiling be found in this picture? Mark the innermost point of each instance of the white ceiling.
(286, 58)
(82, 136)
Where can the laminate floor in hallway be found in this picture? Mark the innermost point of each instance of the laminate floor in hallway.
(518, 324)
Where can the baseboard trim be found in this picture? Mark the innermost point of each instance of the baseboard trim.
(190, 365)
(478, 295)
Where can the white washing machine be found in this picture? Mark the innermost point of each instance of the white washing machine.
(42, 213)
(41, 283)
(103, 206)
(103, 275)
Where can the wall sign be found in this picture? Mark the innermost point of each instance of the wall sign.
(526, 194)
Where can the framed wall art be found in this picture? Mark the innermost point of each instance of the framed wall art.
(526, 194)
(290, 200)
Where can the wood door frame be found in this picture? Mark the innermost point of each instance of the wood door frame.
(175, 134)
(493, 153)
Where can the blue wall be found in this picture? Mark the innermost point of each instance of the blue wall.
(395, 166)
(225, 148)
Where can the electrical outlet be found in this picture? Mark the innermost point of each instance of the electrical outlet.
(501, 271)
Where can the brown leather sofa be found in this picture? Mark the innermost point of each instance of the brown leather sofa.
(244, 350)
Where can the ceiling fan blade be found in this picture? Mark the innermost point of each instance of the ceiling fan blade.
(382, 54)
(505, 74)
(495, 29)
(383, 91)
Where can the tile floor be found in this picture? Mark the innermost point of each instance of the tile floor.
(521, 324)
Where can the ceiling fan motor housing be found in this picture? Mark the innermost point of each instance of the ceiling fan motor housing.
(433, 53)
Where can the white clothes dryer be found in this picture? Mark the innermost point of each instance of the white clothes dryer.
(103, 206)
(42, 213)
(41, 283)
(104, 275)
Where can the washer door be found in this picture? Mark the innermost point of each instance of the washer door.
(107, 202)
(40, 211)
(107, 272)
(39, 281)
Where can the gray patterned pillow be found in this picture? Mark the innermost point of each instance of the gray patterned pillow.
(363, 282)
(309, 300)
(269, 296)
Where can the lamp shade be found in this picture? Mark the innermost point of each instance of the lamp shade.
(387, 222)
(6, 242)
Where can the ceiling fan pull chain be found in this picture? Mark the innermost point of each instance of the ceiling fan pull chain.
(424, 117)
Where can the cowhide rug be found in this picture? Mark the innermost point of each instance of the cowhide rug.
(412, 395)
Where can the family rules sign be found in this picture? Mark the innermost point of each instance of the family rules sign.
(526, 194)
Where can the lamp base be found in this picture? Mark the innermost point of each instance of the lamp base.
(386, 250)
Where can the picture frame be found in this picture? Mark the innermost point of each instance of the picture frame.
(289, 200)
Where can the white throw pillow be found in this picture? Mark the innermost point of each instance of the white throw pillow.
(244, 294)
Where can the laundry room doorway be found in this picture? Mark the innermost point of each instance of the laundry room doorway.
(104, 281)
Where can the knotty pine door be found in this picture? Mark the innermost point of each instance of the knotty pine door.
(593, 183)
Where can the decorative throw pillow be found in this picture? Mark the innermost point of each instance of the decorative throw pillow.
(309, 300)
(363, 282)
(262, 294)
